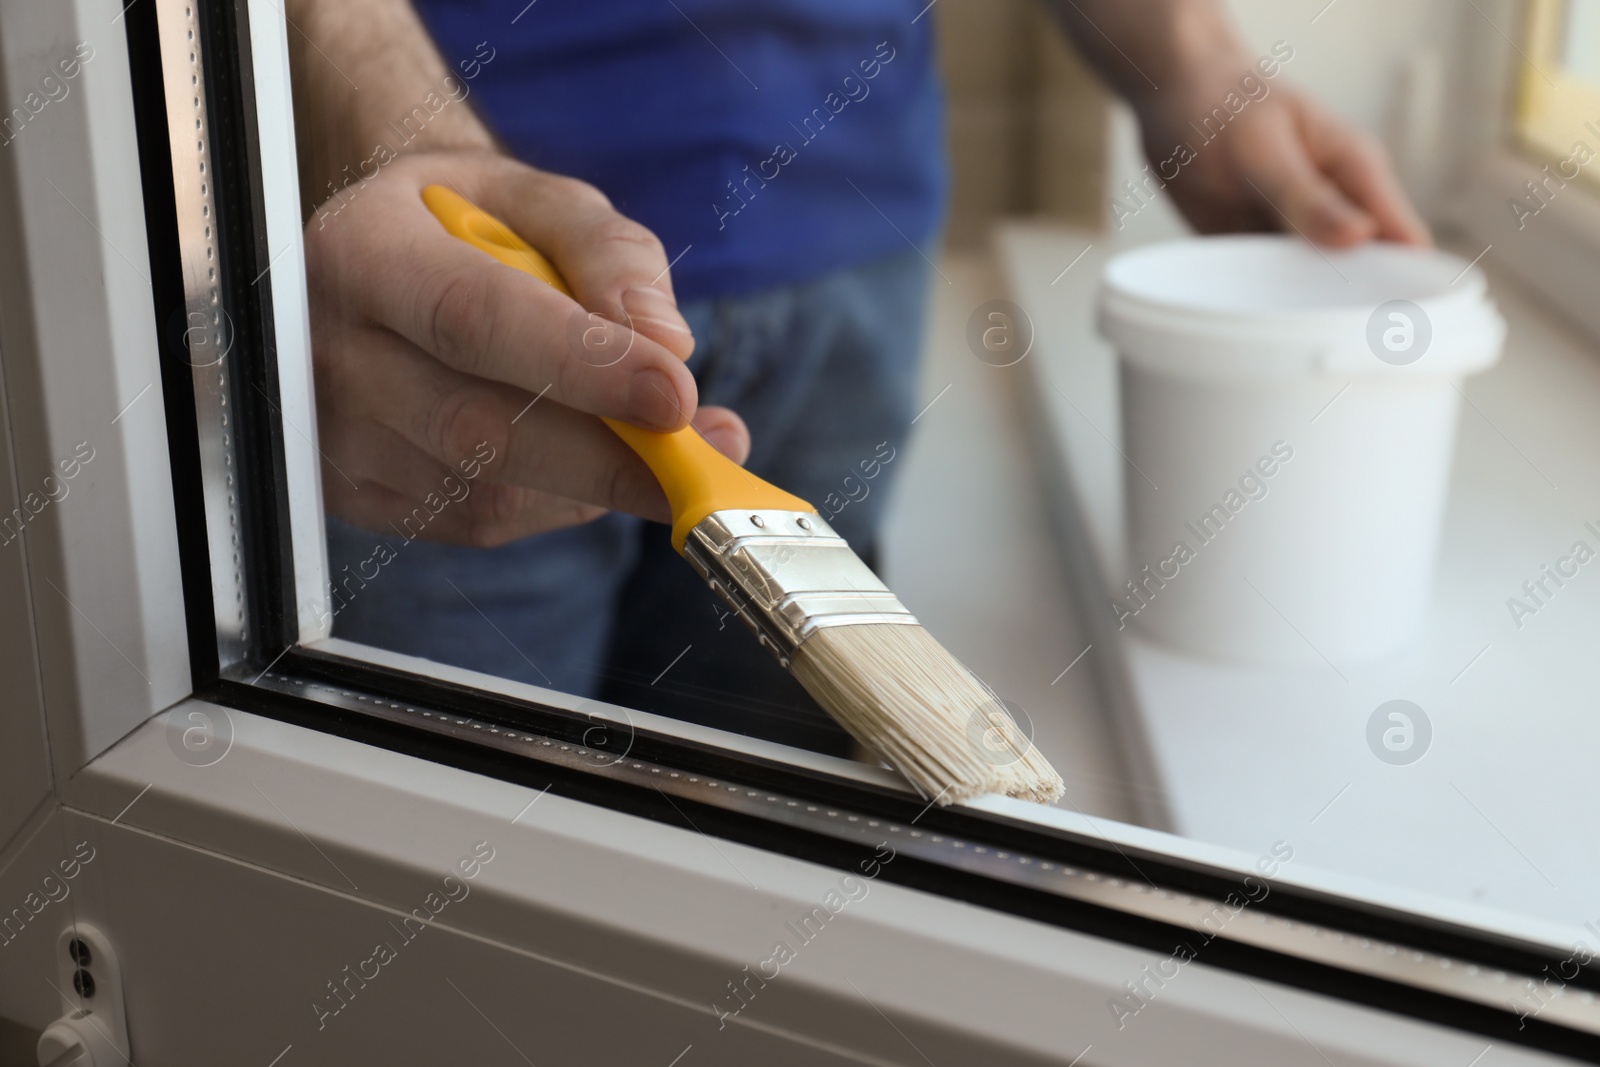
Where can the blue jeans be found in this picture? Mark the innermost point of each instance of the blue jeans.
(824, 373)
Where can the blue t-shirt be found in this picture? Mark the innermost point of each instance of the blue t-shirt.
(781, 139)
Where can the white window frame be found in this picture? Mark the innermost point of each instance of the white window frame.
(223, 881)
(1557, 253)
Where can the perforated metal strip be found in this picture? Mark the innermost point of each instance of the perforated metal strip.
(206, 330)
(607, 755)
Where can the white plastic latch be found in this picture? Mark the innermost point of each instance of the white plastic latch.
(93, 1028)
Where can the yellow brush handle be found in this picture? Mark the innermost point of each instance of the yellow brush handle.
(697, 479)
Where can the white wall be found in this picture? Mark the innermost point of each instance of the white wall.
(1353, 56)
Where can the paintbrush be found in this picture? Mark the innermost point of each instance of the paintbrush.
(810, 599)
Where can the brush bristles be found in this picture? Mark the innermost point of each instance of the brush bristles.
(897, 691)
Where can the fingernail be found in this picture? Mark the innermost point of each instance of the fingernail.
(647, 304)
(653, 399)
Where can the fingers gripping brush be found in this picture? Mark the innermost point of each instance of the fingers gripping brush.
(810, 600)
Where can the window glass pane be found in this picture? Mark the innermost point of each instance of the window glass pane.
(1280, 544)
(1580, 44)
(1560, 84)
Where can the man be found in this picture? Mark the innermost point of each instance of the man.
(752, 190)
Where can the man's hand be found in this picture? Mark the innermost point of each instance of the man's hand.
(430, 355)
(1282, 162)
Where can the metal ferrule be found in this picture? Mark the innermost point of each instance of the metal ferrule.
(787, 575)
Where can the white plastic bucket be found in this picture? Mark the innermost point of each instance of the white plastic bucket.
(1288, 421)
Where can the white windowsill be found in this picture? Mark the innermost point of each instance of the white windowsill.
(1247, 757)
(657, 912)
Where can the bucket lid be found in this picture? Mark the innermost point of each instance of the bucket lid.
(1271, 306)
